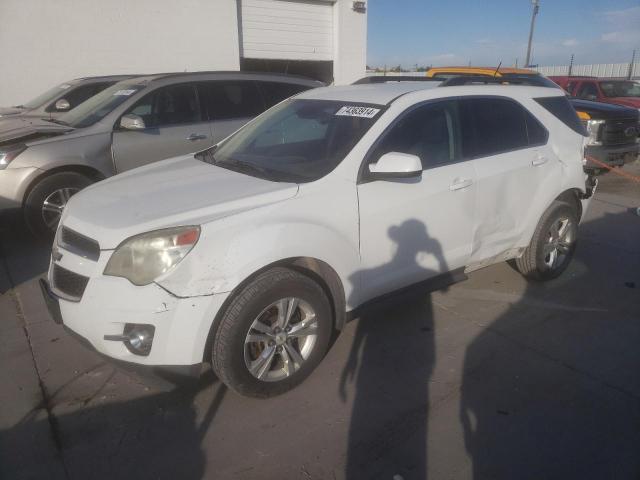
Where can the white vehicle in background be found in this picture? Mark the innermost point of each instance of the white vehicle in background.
(251, 254)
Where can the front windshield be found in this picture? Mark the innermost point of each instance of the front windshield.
(47, 96)
(296, 141)
(100, 105)
(620, 89)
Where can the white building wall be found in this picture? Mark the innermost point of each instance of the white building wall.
(350, 43)
(46, 42)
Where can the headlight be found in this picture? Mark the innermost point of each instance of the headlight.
(8, 154)
(143, 258)
(593, 131)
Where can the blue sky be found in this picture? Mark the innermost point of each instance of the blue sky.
(452, 32)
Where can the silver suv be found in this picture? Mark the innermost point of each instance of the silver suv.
(58, 100)
(130, 124)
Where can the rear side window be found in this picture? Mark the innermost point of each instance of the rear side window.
(563, 111)
(227, 100)
(536, 132)
(274, 92)
(491, 126)
(172, 105)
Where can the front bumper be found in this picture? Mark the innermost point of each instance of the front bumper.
(109, 303)
(13, 185)
(614, 156)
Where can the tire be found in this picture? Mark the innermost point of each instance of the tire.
(234, 360)
(539, 262)
(56, 189)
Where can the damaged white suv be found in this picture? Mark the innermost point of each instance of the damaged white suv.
(251, 254)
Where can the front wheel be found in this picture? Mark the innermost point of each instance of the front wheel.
(273, 334)
(553, 244)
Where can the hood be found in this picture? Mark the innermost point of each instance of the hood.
(7, 111)
(627, 101)
(603, 111)
(178, 191)
(23, 130)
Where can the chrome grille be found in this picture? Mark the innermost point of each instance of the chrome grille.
(79, 244)
(70, 284)
(615, 131)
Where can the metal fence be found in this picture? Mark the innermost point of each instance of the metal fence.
(595, 70)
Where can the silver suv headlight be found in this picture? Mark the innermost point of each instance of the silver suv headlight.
(7, 154)
(143, 258)
(593, 130)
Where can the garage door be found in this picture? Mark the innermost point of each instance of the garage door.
(286, 29)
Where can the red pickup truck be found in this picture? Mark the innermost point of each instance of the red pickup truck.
(607, 90)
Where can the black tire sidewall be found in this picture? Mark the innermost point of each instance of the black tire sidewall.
(45, 187)
(557, 211)
(236, 374)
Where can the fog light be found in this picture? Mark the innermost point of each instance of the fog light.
(139, 338)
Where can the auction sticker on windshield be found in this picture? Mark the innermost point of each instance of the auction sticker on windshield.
(355, 111)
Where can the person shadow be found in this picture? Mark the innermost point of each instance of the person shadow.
(389, 367)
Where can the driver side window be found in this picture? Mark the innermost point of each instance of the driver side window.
(588, 91)
(427, 132)
(173, 105)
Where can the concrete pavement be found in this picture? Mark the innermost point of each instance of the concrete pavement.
(493, 378)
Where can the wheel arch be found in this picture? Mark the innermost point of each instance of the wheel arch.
(318, 270)
(92, 173)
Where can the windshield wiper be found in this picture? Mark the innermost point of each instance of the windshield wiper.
(245, 167)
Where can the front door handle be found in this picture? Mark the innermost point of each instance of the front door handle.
(196, 136)
(539, 160)
(460, 183)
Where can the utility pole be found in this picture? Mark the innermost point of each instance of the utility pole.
(571, 65)
(536, 8)
(631, 65)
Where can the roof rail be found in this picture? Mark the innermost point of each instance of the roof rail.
(529, 80)
(393, 78)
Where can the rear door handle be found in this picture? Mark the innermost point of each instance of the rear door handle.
(196, 136)
(539, 160)
(460, 183)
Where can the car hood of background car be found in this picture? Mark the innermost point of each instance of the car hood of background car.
(7, 111)
(601, 110)
(179, 191)
(627, 101)
(23, 130)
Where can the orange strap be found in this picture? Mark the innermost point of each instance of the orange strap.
(622, 173)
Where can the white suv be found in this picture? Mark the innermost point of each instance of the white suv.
(253, 253)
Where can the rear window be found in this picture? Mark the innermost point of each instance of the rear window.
(563, 111)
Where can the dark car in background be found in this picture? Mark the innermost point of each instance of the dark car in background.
(59, 99)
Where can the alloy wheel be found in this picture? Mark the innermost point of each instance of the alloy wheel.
(281, 339)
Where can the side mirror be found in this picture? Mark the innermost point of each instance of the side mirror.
(132, 122)
(62, 105)
(396, 165)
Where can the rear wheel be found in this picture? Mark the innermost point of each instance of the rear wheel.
(553, 244)
(47, 199)
(273, 334)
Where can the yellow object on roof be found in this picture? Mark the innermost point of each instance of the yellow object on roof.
(490, 71)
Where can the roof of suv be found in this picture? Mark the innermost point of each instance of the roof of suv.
(386, 93)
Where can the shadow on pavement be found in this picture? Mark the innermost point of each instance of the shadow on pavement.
(552, 391)
(157, 436)
(391, 361)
